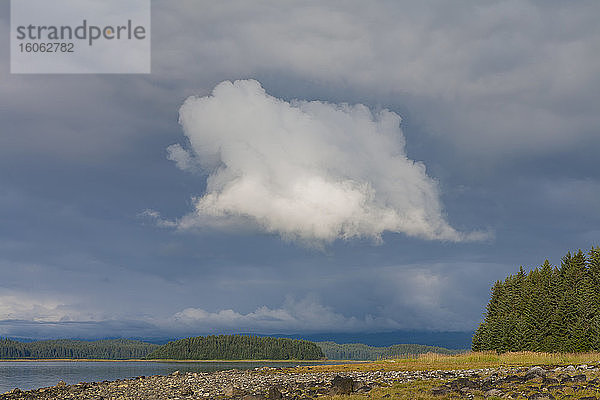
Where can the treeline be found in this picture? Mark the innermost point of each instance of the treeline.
(237, 347)
(552, 309)
(118, 349)
(359, 351)
(223, 347)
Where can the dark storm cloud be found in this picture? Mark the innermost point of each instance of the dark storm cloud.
(498, 77)
(499, 100)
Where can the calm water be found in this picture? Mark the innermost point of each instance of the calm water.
(28, 375)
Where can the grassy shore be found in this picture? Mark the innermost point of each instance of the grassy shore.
(183, 361)
(421, 390)
(463, 361)
(428, 361)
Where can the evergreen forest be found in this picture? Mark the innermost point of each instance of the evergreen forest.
(549, 309)
(117, 349)
(237, 347)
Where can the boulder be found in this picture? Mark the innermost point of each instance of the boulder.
(441, 391)
(341, 385)
(232, 391)
(494, 392)
(253, 397)
(274, 394)
(534, 373)
(513, 378)
(460, 383)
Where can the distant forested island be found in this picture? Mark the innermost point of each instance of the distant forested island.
(237, 347)
(117, 349)
(359, 351)
(223, 347)
(552, 309)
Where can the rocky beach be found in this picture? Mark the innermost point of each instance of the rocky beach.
(533, 383)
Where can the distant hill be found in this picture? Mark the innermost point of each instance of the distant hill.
(359, 351)
(237, 347)
(448, 340)
(116, 349)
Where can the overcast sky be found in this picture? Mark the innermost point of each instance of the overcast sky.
(300, 168)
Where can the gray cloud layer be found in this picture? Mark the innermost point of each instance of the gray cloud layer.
(503, 78)
(499, 100)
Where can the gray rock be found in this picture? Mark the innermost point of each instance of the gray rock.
(494, 392)
(541, 396)
(537, 371)
(186, 391)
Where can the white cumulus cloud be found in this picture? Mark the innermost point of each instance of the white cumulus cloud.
(305, 315)
(308, 170)
(23, 306)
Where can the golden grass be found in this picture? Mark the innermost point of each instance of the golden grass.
(471, 360)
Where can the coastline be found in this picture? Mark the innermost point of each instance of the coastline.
(319, 362)
(538, 382)
(258, 384)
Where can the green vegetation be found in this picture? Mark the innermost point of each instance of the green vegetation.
(119, 349)
(548, 309)
(422, 390)
(359, 351)
(237, 347)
